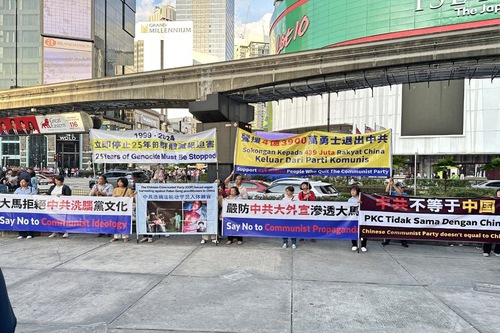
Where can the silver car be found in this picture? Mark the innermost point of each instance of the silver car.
(277, 191)
(132, 176)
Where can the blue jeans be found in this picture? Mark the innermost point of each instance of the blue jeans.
(294, 241)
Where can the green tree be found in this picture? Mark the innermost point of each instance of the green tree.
(399, 163)
(443, 165)
(494, 164)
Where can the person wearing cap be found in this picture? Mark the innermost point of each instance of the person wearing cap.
(395, 189)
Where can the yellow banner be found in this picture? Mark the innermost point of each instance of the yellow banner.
(315, 153)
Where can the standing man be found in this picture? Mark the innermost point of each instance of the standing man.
(397, 189)
(238, 182)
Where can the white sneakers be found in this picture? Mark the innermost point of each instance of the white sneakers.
(285, 245)
(203, 241)
(20, 237)
(294, 246)
(363, 249)
(354, 248)
(486, 254)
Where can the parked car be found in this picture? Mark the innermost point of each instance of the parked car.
(251, 185)
(289, 179)
(488, 184)
(132, 176)
(277, 191)
(44, 183)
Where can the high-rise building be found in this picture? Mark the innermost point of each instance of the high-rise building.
(51, 41)
(213, 26)
(162, 13)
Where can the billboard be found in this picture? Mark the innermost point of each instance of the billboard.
(166, 44)
(68, 18)
(76, 122)
(298, 25)
(72, 55)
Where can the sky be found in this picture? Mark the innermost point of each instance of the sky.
(255, 14)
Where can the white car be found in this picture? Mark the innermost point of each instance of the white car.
(44, 183)
(492, 184)
(277, 191)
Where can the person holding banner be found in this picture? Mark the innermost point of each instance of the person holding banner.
(289, 197)
(397, 189)
(59, 189)
(122, 190)
(101, 188)
(306, 195)
(238, 182)
(234, 194)
(487, 246)
(26, 190)
(355, 200)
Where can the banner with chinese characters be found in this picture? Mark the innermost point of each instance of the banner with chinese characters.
(73, 214)
(315, 153)
(153, 146)
(295, 219)
(177, 208)
(438, 219)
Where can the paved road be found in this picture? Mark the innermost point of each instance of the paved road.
(86, 284)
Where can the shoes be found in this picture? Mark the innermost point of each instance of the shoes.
(203, 241)
(294, 246)
(240, 242)
(215, 241)
(150, 240)
(229, 242)
(384, 243)
(52, 235)
(65, 235)
(363, 249)
(20, 237)
(354, 248)
(404, 244)
(496, 254)
(112, 240)
(125, 240)
(313, 240)
(30, 237)
(486, 254)
(144, 239)
(285, 245)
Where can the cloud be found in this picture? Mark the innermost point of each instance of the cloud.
(260, 27)
(147, 7)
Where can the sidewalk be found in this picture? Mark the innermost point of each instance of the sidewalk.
(176, 284)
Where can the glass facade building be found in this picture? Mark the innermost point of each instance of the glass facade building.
(51, 41)
(213, 26)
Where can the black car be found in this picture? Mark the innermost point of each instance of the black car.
(132, 176)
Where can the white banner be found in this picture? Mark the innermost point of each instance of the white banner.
(153, 146)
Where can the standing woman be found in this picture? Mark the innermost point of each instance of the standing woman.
(306, 194)
(354, 200)
(234, 194)
(59, 189)
(25, 189)
(122, 190)
(289, 197)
